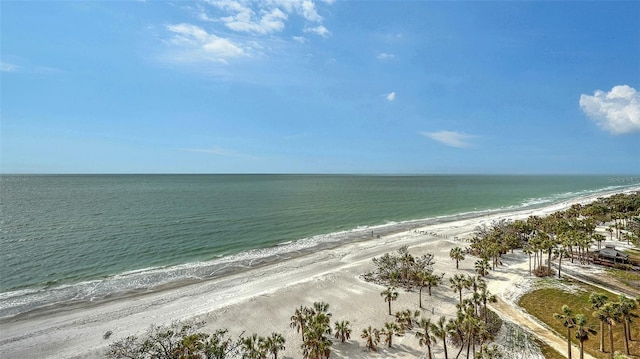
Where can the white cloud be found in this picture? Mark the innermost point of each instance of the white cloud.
(616, 111)
(7, 67)
(263, 16)
(244, 21)
(320, 30)
(391, 96)
(450, 138)
(196, 44)
(385, 56)
(300, 39)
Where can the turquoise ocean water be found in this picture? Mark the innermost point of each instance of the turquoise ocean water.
(85, 238)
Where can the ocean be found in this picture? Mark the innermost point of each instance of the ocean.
(74, 238)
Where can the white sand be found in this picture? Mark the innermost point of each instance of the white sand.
(262, 300)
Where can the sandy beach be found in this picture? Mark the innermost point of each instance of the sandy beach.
(261, 300)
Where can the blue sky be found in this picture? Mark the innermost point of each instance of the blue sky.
(302, 86)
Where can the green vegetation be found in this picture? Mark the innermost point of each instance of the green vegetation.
(543, 302)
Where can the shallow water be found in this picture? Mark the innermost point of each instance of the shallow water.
(68, 238)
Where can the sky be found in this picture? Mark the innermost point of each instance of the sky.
(320, 86)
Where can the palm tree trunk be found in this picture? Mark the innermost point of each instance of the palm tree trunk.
(569, 342)
(610, 341)
(602, 336)
(626, 339)
(581, 349)
(444, 342)
(429, 350)
(420, 294)
(461, 349)
(389, 306)
(559, 265)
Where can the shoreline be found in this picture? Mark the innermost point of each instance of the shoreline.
(157, 279)
(261, 299)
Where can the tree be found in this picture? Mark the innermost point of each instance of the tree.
(390, 329)
(597, 301)
(582, 332)
(371, 337)
(299, 320)
(433, 280)
(441, 330)
(273, 344)
(316, 345)
(528, 249)
(457, 255)
(566, 317)
(406, 318)
(424, 335)
(251, 348)
(343, 330)
(599, 238)
(180, 339)
(486, 297)
(482, 267)
(625, 308)
(609, 314)
(457, 283)
(389, 295)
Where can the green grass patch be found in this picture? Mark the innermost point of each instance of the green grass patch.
(549, 299)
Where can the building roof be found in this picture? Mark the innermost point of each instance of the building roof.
(611, 252)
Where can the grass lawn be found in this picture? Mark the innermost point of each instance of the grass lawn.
(544, 302)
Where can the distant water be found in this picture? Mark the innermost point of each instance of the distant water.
(69, 238)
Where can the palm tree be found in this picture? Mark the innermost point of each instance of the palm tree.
(609, 314)
(273, 344)
(458, 283)
(566, 317)
(425, 337)
(625, 307)
(251, 347)
(389, 295)
(599, 238)
(486, 297)
(316, 344)
(441, 330)
(405, 319)
(390, 329)
(482, 267)
(433, 280)
(321, 307)
(528, 249)
(343, 330)
(582, 332)
(597, 301)
(457, 255)
(422, 278)
(371, 337)
(299, 320)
